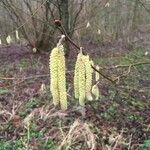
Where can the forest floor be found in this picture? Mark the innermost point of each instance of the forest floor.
(119, 120)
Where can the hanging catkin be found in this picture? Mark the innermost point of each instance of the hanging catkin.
(83, 78)
(95, 91)
(54, 75)
(89, 71)
(57, 77)
(82, 81)
(62, 78)
(76, 76)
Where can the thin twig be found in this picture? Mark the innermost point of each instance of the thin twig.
(103, 75)
(124, 74)
(62, 29)
(134, 64)
(30, 77)
(23, 79)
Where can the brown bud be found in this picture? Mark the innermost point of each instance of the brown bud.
(57, 23)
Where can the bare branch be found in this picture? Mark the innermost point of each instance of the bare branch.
(76, 16)
(69, 39)
(134, 64)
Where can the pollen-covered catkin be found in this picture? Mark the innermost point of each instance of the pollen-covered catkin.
(53, 64)
(82, 81)
(88, 77)
(62, 78)
(76, 77)
(95, 91)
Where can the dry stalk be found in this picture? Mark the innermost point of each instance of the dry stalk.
(79, 131)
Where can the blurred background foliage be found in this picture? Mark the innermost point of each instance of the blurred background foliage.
(102, 22)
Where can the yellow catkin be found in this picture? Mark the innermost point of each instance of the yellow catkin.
(97, 76)
(82, 81)
(89, 72)
(54, 76)
(76, 76)
(62, 78)
(95, 91)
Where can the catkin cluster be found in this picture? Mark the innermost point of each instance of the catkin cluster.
(57, 77)
(83, 78)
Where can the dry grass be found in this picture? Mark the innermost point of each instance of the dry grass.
(79, 132)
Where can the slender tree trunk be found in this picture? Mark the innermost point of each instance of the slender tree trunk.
(64, 6)
(117, 19)
(134, 18)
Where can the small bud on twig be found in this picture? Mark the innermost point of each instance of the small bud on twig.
(57, 23)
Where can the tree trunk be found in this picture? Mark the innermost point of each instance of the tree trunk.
(65, 20)
(134, 18)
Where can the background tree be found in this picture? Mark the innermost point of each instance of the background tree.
(34, 19)
(110, 20)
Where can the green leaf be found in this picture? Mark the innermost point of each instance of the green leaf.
(4, 91)
(147, 143)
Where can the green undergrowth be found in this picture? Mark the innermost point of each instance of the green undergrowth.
(134, 56)
(125, 105)
(23, 143)
(133, 87)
